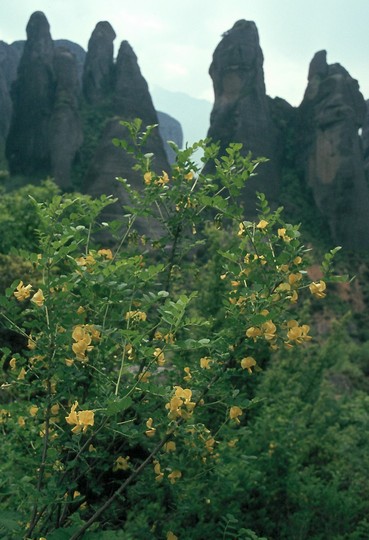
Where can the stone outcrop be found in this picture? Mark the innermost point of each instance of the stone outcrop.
(130, 98)
(170, 130)
(331, 114)
(241, 111)
(8, 65)
(365, 140)
(98, 68)
(65, 124)
(77, 51)
(33, 96)
(318, 146)
(45, 131)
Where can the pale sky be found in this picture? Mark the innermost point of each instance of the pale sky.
(174, 40)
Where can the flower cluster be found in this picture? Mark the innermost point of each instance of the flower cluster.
(135, 316)
(23, 292)
(83, 334)
(317, 289)
(81, 420)
(150, 178)
(297, 334)
(180, 405)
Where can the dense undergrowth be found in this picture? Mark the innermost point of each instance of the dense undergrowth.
(182, 386)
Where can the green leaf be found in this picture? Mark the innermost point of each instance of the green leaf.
(118, 405)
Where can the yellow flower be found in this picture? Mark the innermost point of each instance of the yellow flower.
(269, 329)
(82, 336)
(282, 234)
(169, 338)
(248, 363)
(81, 310)
(13, 363)
(253, 332)
(107, 253)
(297, 260)
(38, 298)
(22, 292)
(189, 176)
(21, 421)
(188, 375)
(33, 410)
(55, 409)
(165, 178)
(182, 396)
(148, 178)
(317, 288)
(297, 333)
(31, 343)
(174, 476)
(162, 180)
(171, 536)
(205, 362)
(209, 445)
(136, 316)
(262, 224)
(159, 355)
(170, 446)
(159, 474)
(121, 464)
(282, 287)
(235, 412)
(150, 432)
(294, 297)
(69, 362)
(293, 279)
(82, 419)
(241, 229)
(22, 374)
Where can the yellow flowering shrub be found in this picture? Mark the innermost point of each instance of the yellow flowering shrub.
(138, 362)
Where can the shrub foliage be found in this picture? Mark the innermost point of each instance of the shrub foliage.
(128, 414)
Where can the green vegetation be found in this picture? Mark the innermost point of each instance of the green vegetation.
(172, 386)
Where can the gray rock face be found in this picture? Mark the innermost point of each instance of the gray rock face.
(98, 66)
(78, 52)
(45, 131)
(65, 124)
(332, 111)
(33, 95)
(241, 111)
(170, 130)
(130, 98)
(365, 140)
(8, 65)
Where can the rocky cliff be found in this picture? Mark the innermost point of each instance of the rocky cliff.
(45, 130)
(319, 141)
(9, 59)
(241, 111)
(170, 130)
(316, 150)
(123, 89)
(98, 67)
(331, 114)
(33, 94)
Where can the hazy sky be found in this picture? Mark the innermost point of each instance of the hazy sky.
(174, 40)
